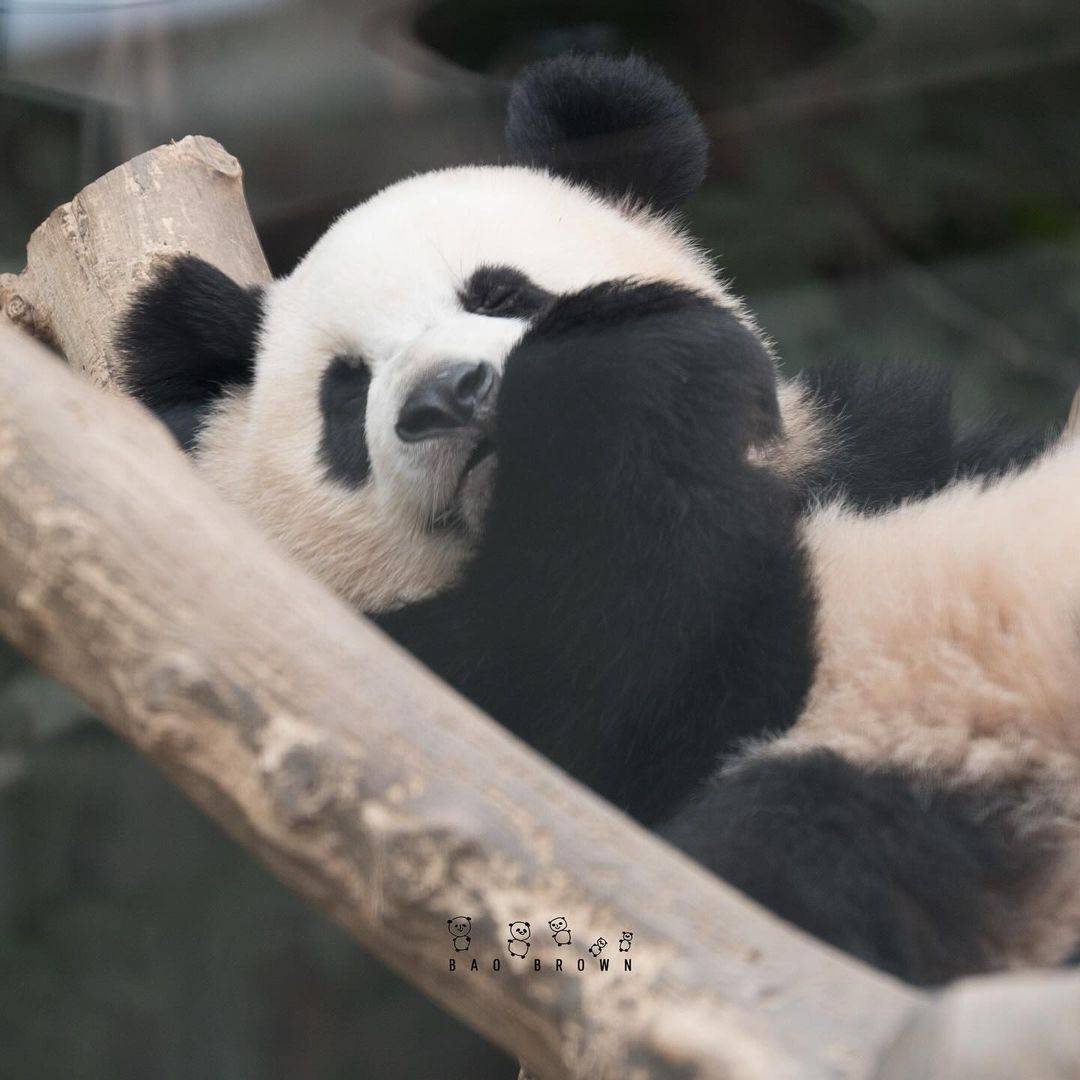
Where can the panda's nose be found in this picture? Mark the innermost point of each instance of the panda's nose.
(445, 401)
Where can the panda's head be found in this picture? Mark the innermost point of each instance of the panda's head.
(459, 925)
(365, 436)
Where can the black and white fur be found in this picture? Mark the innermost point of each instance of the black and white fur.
(817, 636)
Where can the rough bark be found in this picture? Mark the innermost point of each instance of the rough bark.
(86, 258)
(373, 790)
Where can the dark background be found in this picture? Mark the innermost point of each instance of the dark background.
(889, 179)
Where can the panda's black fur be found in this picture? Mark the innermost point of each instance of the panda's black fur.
(342, 393)
(894, 436)
(640, 603)
(615, 398)
(191, 334)
(894, 870)
(622, 128)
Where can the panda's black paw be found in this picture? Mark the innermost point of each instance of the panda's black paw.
(638, 375)
(189, 333)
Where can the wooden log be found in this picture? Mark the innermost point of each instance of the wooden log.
(374, 791)
(85, 260)
(1008, 1027)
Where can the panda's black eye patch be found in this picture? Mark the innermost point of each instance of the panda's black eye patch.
(343, 395)
(503, 293)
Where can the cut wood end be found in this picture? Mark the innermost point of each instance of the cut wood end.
(194, 148)
(210, 151)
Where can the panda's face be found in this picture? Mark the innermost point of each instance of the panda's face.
(369, 424)
(519, 930)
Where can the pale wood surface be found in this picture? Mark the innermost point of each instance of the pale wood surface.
(1009, 1027)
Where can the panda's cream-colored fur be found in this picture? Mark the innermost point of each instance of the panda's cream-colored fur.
(947, 628)
(959, 617)
(949, 643)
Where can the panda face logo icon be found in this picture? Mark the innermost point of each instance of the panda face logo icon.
(460, 927)
(560, 931)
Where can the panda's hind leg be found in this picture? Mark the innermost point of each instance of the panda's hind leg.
(189, 335)
(906, 876)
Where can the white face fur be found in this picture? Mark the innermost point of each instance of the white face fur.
(382, 286)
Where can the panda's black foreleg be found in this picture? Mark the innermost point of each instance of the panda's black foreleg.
(893, 436)
(898, 873)
(638, 602)
(188, 335)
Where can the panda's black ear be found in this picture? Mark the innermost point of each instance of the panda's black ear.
(619, 125)
(189, 334)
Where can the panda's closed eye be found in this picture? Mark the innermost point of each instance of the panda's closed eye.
(504, 293)
(343, 395)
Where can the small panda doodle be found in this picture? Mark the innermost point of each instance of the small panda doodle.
(626, 940)
(518, 942)
(598, 946)
(460, 927)
(560, 931)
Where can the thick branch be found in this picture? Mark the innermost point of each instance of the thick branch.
(371, 789)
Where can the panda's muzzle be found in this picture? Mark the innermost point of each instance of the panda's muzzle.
(446, 402)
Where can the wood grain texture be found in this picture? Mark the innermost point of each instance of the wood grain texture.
(85, 260)
(1006, 1027)
(371, 789)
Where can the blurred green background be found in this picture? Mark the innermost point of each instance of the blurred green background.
(890, 179)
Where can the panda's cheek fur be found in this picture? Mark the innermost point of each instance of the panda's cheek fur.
(383, 444)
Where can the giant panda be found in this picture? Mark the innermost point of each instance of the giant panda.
(813, 633)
